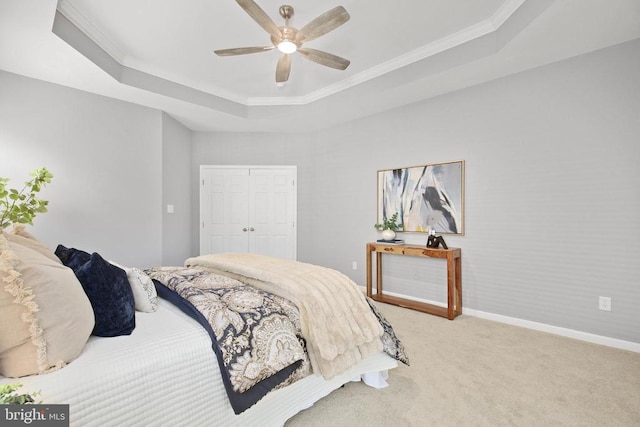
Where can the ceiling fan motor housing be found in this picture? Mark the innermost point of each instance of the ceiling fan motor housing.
(288, 34)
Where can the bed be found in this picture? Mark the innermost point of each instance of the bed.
(166, 370)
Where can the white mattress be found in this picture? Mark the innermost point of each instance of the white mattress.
(165, 374)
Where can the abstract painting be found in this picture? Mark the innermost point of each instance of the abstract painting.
(427, 197)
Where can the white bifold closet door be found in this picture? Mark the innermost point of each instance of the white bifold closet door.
(248, 209)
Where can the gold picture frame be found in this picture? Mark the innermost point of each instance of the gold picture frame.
(426, 197)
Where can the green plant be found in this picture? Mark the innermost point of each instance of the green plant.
(389, 224)
(9, 396)
(20, 207)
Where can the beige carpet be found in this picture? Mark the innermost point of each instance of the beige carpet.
(475, 372)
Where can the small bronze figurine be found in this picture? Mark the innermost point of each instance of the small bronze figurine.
(434, 241)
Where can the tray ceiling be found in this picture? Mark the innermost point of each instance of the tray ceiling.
(159, 53)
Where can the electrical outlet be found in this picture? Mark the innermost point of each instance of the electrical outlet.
(354, 265)
(604, 303)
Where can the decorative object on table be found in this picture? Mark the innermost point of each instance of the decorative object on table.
(434, 241)
(389, 226)
(20, 207)
(426, 197)
(391, 242)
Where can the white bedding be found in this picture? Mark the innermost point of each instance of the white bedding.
(165, 373)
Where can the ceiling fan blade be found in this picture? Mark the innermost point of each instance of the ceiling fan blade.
(260, 17)
(243, 50)
(324, 23)
(283, 69)
(325, 58)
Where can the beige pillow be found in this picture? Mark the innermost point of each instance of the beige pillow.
(21, 237)
(45, 316)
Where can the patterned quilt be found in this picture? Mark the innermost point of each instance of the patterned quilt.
(257, 333)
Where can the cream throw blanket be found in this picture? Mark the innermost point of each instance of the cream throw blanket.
(336, 320)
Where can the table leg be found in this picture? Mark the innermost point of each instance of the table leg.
(368, 259)
(458, 285)
(451, 288)
(379, 273)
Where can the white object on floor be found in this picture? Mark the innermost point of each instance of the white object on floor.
(376, 379)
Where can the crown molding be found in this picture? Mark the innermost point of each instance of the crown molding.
(82, 22)
(505, 11)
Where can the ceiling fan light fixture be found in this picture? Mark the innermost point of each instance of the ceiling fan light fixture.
(287, 46)
(289, 40)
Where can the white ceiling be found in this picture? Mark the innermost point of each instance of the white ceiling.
(159, 53)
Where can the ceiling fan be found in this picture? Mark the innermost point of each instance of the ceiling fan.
(289, 40)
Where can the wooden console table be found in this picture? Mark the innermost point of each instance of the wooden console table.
(454, 277)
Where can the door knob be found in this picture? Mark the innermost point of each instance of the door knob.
(251, 229)
(244, 229)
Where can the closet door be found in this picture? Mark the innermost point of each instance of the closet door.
(224, 210)
(248, 209)
(271, 212)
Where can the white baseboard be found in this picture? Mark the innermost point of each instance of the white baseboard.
(565, 332)
(570, 333)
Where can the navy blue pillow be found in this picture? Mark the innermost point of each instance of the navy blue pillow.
(72, 257)
(107, 288)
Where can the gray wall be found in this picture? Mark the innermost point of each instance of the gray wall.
(106, 158)
(176, 181)
(552, 200)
